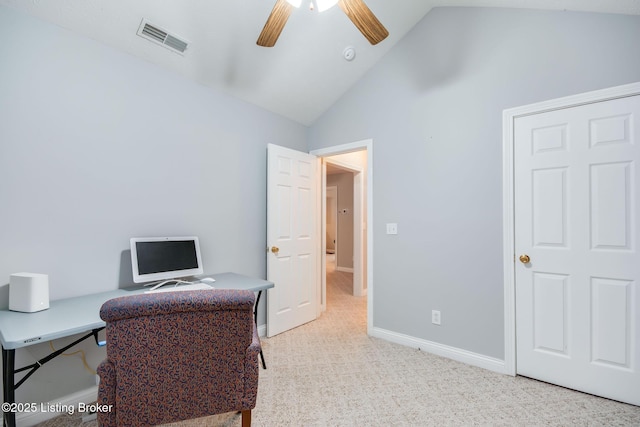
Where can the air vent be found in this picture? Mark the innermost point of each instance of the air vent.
(162, 37)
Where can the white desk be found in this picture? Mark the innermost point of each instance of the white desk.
(72, 316)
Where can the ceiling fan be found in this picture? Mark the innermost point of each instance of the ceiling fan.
(356, 10)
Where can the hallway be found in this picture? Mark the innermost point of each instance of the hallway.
(340, 297)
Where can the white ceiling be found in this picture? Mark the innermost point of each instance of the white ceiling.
(299, 78)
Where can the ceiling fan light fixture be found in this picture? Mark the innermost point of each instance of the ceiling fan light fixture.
(356, 10)
(325, 4)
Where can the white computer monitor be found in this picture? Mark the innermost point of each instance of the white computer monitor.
(165, 258)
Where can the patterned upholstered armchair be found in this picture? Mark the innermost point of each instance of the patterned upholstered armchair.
(178, 355)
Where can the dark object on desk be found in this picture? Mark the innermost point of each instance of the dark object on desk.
(178, 355)
(164, 258)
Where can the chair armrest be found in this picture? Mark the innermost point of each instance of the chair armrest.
(107, 393)
(255, 345)
(251, 371)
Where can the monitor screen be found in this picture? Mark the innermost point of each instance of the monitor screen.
(163, 258)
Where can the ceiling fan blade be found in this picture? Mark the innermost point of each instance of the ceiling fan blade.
(275, 23)
(364, 19)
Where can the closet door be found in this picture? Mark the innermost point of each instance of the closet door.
(576, 186)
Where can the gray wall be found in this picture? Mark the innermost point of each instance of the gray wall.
(97, 147)
(433, 107)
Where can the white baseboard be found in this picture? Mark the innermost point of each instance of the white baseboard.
(46, 411)
(344, 269)
(262, 330)
(362, 293)
(464, 356)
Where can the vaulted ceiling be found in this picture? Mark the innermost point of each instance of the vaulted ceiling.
(299, 78)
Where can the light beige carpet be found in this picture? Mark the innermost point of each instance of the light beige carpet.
(330, 373)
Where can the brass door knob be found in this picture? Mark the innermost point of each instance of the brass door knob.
(275, 249)
(525, 259)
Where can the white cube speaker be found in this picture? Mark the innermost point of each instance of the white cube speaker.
(28, 292)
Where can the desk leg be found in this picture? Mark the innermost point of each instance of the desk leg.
(255, 319)
(8, 384)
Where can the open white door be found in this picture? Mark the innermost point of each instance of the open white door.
(292, 224)
(577, 236)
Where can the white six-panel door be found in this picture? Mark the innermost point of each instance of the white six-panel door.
(292, 215)
(576, 184)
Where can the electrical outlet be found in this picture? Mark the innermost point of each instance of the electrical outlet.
(435, 317)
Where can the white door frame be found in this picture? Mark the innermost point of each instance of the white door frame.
(322, 267)
(509, 255)
(332, 189)
(367, 145)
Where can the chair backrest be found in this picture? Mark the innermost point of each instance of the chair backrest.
(178, 355)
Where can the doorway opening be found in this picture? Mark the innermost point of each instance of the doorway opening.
(331, 222)
(348, 168)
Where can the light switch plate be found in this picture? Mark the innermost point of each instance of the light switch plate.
(392, 228)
